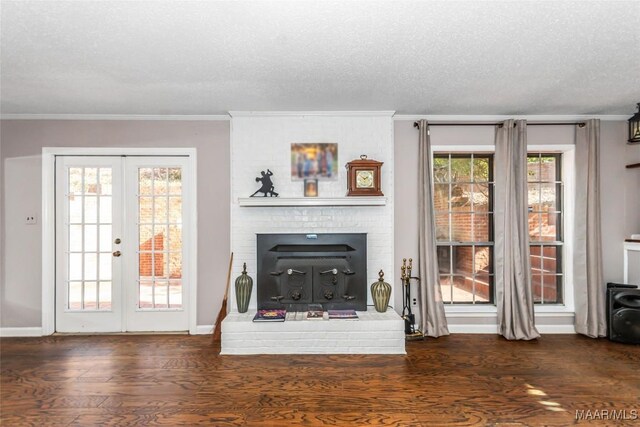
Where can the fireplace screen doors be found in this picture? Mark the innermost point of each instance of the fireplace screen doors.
(295, 270)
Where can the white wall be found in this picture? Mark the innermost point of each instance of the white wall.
(261, 142)
(22, 142)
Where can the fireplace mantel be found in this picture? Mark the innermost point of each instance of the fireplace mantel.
(311, 201)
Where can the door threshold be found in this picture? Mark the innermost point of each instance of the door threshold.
(59, 334)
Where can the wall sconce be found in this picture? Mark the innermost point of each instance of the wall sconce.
(634, 127)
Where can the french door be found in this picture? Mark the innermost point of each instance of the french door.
(120, 244)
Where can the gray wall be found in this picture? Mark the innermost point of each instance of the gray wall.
(620, 187)
(21, 146)
(620, 196)
(21, 142)
(632, 186)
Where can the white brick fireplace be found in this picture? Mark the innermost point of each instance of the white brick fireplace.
(261, 141)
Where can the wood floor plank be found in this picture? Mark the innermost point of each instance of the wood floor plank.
(334, 418)
(460, 380)
(167, 388)
(36, 421)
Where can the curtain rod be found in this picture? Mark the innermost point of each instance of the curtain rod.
(581, 124)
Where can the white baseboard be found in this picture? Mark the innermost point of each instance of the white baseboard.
(21, 332)
(37, 331)
(493, 329)
(204, 329)
(556, 329)
(208, 329)
(473, 329)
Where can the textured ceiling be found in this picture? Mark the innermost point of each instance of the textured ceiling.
(194, 57)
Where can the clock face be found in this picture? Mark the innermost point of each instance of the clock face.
(364, 179)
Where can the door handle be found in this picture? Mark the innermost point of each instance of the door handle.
(117, 254)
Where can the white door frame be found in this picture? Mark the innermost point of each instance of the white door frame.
(49, 226)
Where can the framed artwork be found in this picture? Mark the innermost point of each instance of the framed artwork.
(310, 188)
(314, 161)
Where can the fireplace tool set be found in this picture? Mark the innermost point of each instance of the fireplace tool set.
(409, 318)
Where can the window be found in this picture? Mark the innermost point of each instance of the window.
(463, 199)
(545, 226)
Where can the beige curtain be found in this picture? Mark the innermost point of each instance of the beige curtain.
(513, 267)
(434, 322)
(588, 281)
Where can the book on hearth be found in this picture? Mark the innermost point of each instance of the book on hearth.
(315, 315)
(270, 316)
(316, 312)
(343, 314)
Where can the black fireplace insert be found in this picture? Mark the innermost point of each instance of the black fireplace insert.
(295, 270)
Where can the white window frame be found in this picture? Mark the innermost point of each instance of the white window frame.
(568, 178)
(48, 222)
(479, 149)
(449, 244)
(567, 308)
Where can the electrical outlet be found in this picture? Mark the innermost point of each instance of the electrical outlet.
(31, 220)
(414, 302)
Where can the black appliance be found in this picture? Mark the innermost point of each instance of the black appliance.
(623, 313)
(295, 270)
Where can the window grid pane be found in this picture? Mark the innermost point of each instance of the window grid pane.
(545, 189)
(160, 238)
(463, 199)
(89, 237)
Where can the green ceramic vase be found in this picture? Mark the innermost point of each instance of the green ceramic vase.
(381, 292)
(244, 284)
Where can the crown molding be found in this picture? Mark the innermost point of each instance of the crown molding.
(434, 118)
(398, 117)
(311, 113)
(219, 117)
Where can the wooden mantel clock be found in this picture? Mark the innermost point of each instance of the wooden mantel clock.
(363, 177)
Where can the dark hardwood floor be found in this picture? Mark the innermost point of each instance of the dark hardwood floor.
(458, 380)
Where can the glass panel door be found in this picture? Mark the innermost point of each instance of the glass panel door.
(159, 238)
(88, 191)
(120, 247)
(156, 272)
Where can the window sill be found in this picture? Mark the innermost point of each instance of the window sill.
(470, 309)
(553, 310)
(474, 310)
